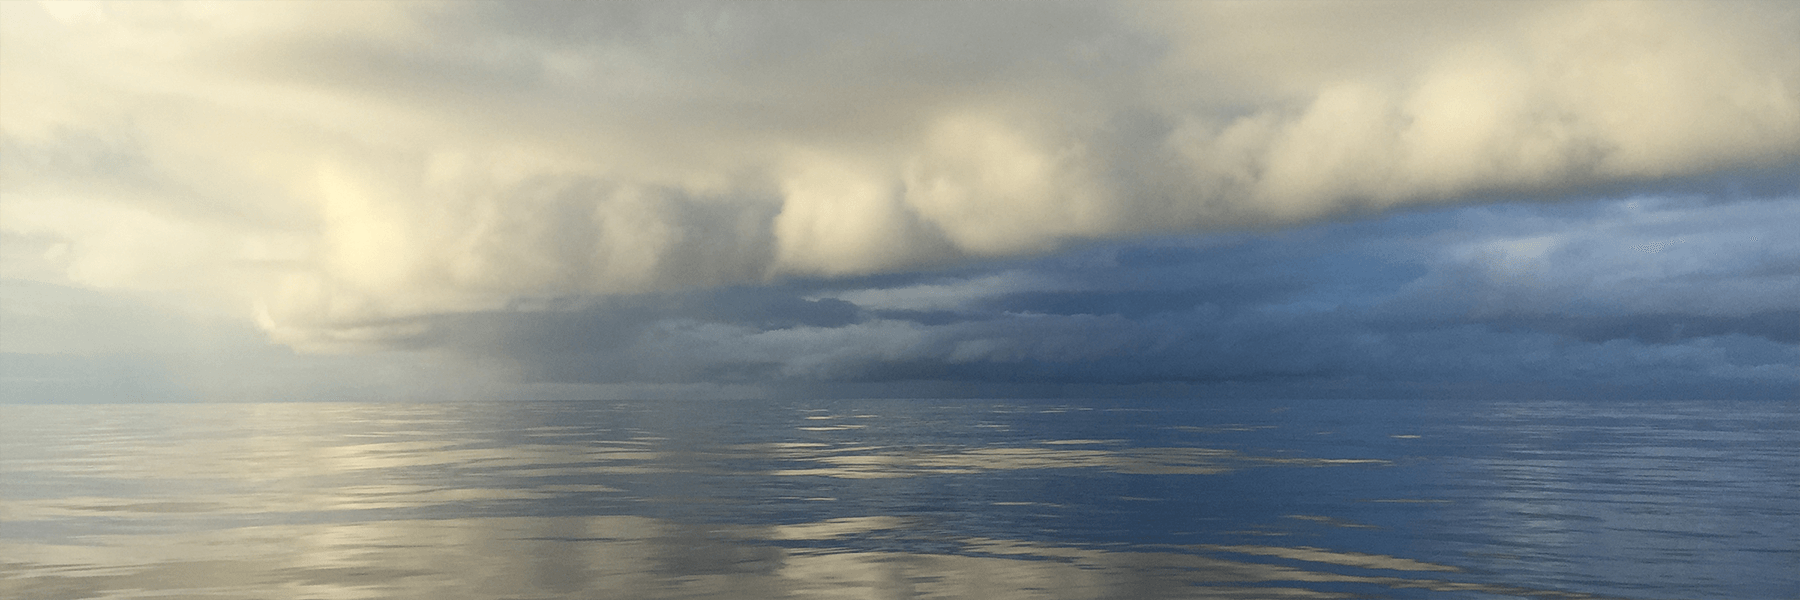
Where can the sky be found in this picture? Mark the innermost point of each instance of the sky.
(424, 201)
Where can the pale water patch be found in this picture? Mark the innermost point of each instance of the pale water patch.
(925, 499)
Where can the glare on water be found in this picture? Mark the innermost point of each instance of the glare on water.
(900, 499)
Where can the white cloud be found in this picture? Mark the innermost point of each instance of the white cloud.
(348, 165)
(946, 295)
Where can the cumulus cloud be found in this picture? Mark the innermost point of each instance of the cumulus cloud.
(351, 169)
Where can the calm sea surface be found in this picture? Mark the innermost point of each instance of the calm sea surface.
(902, 499)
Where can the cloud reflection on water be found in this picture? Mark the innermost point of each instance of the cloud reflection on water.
(630, 556)
(868, 463)
(345, 501)
(976, 500)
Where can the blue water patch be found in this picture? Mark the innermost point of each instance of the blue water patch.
(903, 498)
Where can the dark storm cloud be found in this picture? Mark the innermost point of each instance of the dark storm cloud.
(1518, 299)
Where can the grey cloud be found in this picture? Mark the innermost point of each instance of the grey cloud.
(65, 378)
(1775, 326)
(407, 160)
(1407, 306)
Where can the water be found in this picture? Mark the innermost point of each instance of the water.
(902, 499)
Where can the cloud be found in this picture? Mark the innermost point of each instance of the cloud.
(1508, 300)
(1504, 300)
(354, 169)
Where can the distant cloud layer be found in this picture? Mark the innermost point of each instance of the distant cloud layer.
(1489, 301)
(372, 175)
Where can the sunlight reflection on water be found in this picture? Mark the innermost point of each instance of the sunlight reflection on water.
(518, 557)
(920, 499)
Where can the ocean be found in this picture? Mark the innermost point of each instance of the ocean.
(922, 498)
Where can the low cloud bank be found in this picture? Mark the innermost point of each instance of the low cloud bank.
(1639, 297)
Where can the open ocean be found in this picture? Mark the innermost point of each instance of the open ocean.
(902, 499)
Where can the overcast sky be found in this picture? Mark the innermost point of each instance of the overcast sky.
(533, 200)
